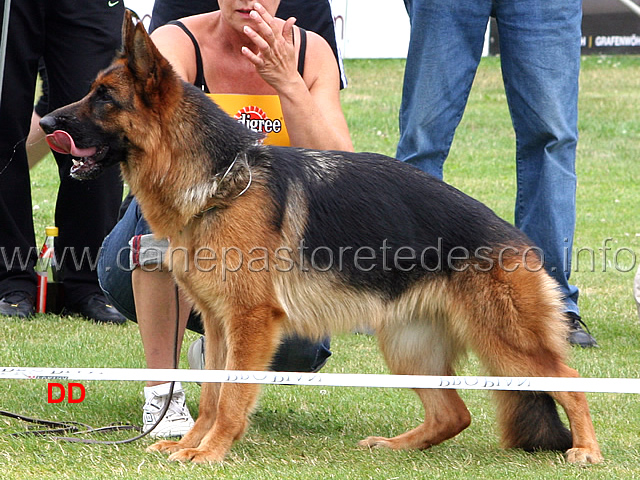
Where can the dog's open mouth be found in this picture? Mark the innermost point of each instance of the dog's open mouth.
(85, 160)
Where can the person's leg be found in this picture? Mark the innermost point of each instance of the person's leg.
(146, 295)
(143, 292)
(155, 294)
(540, 52)
(17, 238)
(114, 266)
(444, 51)
(82, 38)
(155, 301)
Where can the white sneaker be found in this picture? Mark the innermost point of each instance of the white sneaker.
(176, 422)
(195, 355)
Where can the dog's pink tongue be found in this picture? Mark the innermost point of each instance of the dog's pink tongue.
(61, 142)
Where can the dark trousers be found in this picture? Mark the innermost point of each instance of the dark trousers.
(76, 39)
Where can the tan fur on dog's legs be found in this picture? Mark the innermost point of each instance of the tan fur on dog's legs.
(422, 348)
(445, 416)
(585, 447)
(257, 329)
(236, 403)
(215, 351)
(534, 345)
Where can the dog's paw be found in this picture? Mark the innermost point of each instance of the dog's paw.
(375, 442)
(167, 446)
(197, 455)
(584, 455)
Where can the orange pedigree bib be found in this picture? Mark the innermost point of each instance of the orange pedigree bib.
(260, 113)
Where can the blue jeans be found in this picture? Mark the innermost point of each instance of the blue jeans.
(295, 354)
(540, 57)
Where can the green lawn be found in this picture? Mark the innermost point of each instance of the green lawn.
(311, 432)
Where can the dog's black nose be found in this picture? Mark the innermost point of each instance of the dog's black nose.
(48, 124)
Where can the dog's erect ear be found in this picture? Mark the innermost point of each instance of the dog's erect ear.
(144, 59)
(128, 27)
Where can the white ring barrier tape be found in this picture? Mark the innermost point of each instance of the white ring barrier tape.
(541, 384)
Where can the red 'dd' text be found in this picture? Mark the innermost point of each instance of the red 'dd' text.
(56, 393)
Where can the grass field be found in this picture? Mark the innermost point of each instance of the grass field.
(311, 432)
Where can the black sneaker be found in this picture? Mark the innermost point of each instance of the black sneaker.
(577, 334)
(95, 307)
(17, 304)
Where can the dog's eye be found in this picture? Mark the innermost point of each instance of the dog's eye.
(103, 96)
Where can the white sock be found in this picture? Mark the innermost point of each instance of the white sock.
(161, 390)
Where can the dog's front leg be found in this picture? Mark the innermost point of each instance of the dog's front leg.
(215, 353)
(236, 403)
(252, 338)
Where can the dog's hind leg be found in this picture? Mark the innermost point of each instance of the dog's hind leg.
(530, 420)
(422, 349)
(215, 349)
(252, 337)
(585, 448)
(515, 327)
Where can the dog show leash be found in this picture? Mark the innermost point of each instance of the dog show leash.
(73, 427)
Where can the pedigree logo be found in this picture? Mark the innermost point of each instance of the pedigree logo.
(257, 120)
(74, 393)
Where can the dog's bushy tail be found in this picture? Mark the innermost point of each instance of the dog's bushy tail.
(530, 420)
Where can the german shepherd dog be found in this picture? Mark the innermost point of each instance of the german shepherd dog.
(323, 241)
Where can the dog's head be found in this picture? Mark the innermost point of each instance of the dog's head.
(114, 120)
